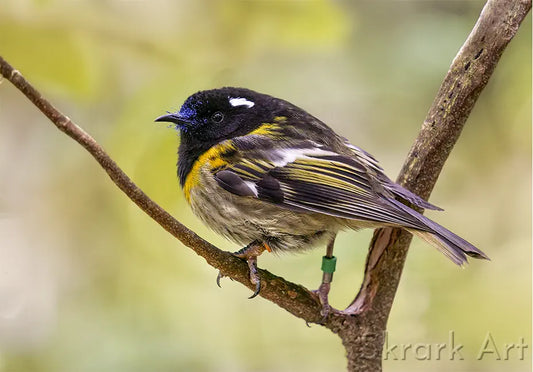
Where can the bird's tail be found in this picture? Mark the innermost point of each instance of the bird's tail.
(451, 245)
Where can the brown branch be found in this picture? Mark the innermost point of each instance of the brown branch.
(466, 78)
(361, 327)
(468, 75)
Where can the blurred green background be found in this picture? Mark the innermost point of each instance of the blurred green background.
(89, 283)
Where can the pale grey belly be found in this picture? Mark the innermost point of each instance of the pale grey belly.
(244, 219)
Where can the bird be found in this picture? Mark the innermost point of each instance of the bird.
(269, 176)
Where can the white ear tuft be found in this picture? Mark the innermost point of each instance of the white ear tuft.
(240, 102)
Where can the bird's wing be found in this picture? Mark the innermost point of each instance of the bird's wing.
(372, 166)
(309, 177)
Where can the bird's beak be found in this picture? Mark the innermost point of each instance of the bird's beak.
(175, 118)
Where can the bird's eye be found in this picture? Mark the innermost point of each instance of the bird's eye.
(217, 117)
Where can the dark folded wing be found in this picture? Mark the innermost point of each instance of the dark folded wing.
(317, 180)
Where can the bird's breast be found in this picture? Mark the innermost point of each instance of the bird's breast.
(211, 161)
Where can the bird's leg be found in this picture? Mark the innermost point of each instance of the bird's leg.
(250, 253)
(328, 267)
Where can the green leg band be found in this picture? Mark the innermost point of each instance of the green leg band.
(328, 264)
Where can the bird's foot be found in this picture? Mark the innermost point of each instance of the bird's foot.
(322, 294)
(250, 253)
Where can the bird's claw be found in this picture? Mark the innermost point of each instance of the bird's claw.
(219, 276)
(257, 290)
(254, 275)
